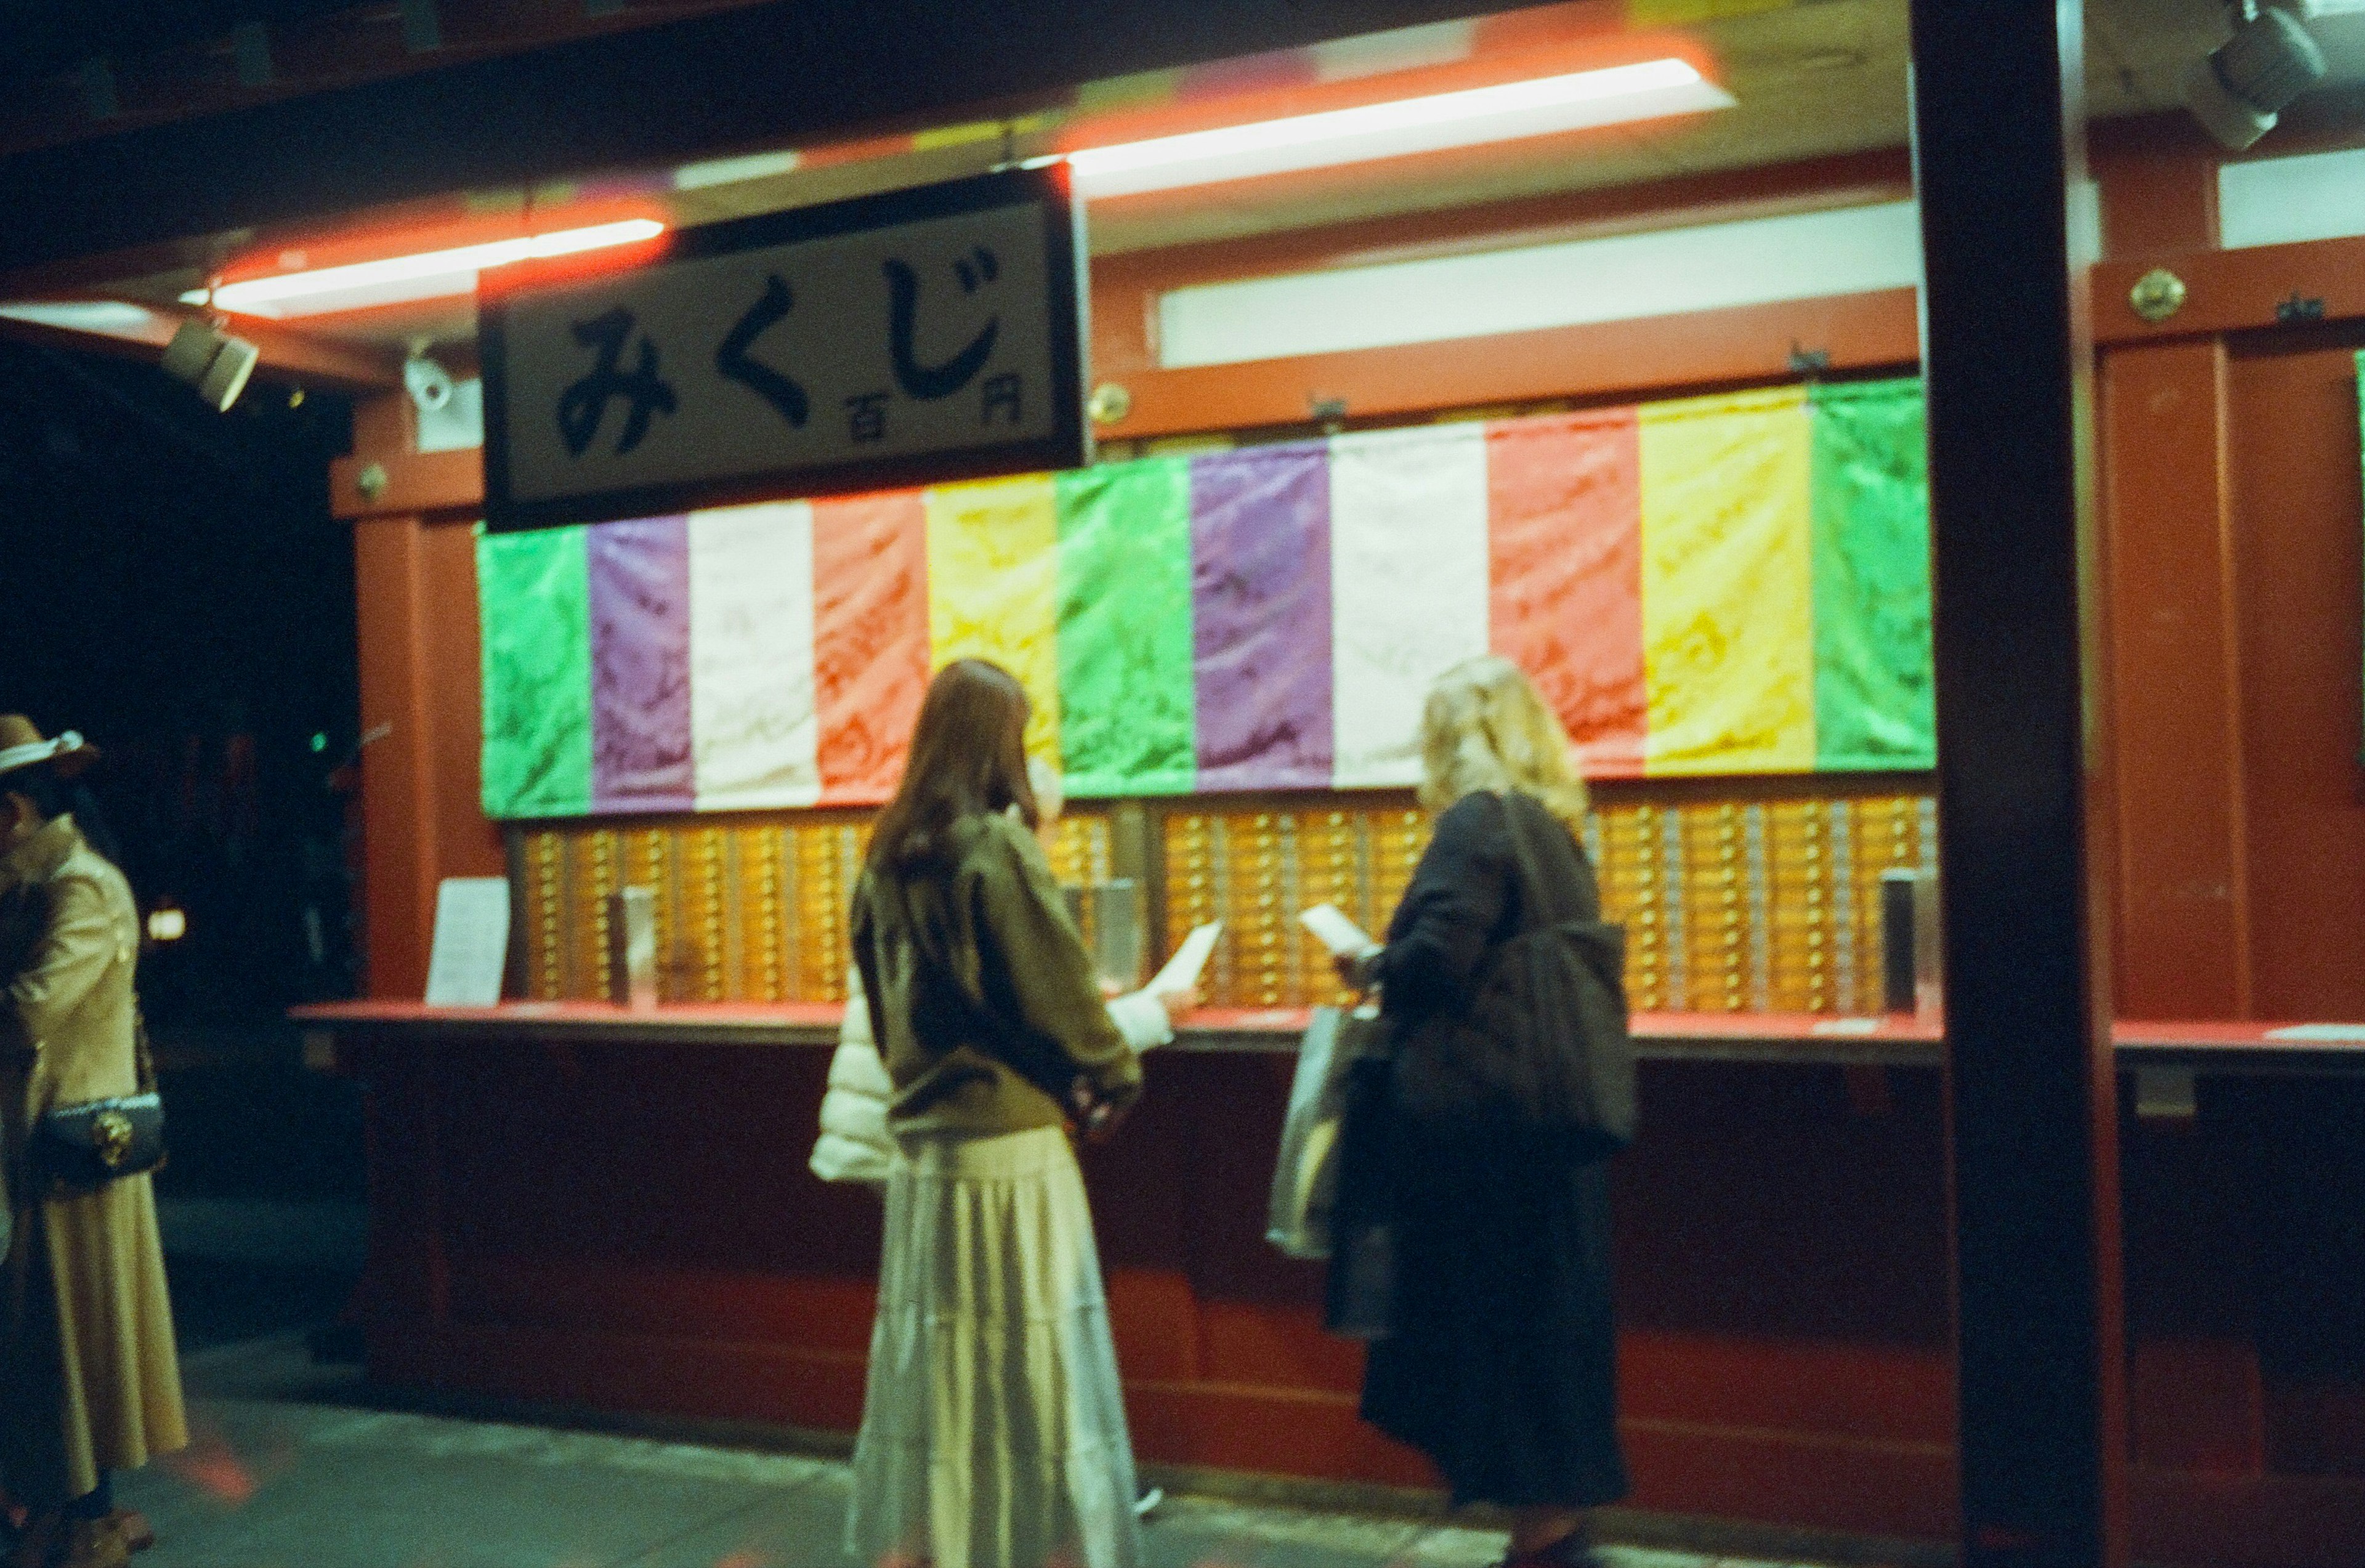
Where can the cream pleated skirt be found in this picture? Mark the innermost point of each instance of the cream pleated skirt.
(993, 1426)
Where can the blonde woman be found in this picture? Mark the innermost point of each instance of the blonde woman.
(1501, 1363)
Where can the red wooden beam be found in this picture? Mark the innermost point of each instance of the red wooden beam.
(2232, 291)
(1615, 359)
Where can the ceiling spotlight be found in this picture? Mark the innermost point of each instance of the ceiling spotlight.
(2241, 87)
(430, 384)
(211, 360)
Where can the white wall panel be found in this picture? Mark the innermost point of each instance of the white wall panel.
(2281, 201)
(1616, 278)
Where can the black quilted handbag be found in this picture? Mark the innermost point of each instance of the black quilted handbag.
(85, 1147)
(81, 1148)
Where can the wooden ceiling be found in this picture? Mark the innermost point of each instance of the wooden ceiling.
(103, 67)
(1812, 79)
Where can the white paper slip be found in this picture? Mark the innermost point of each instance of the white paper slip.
(1335, 931)
(472, 942)
(2320, 1034)
(1182, 970)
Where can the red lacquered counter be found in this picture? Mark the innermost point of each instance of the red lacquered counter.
(1808, 1038)
(581, 1201)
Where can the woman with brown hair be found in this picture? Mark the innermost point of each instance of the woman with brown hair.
(1501, 1360)
(993, 1430)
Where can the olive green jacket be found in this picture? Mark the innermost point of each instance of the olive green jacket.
(982, 998)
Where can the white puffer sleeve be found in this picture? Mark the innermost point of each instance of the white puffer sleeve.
(1141, 1019)
(855, 1144)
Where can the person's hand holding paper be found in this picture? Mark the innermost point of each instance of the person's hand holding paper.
(1175, 988)
(1352, 947)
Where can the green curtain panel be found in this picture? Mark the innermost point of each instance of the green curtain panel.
(535, 593)
(1127, 718)
(1871, 532)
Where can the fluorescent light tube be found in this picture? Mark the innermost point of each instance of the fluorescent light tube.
(396, 280)
(731, 170)
(1511, 109)
(108, 318)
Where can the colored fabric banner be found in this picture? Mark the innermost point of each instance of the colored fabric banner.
(640, 665)
(1727, 585)
(1727, 598)
(1409, 587)
(871, 639)
(993, 590)
(1260, 629)
(1564, 500)
(1873, 701)
(1126, 695)
(753, 726)
(534, 607)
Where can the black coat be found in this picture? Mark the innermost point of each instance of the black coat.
(1502, 1365)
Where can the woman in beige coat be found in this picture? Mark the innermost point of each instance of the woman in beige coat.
(89, 1383)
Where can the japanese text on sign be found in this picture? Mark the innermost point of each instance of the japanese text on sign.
(945, 340)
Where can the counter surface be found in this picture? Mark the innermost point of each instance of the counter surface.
(1893, 1041)
(586, 1205)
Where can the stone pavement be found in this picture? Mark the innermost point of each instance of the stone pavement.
(294, 1468)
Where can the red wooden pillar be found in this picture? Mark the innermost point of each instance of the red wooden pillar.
(422, 819)
(2183, 908)
(2178, 834)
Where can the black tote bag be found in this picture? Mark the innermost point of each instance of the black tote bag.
(1358, 1292)
(1542, 1053)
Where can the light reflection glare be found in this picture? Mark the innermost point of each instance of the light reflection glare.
(214, 1468)
(392, 280)
(1574, 101)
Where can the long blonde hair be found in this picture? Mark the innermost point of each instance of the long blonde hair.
(1485, 728)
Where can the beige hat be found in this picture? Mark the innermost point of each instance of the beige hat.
(21, 745)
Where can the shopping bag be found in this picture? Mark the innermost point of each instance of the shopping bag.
(1306, 1176)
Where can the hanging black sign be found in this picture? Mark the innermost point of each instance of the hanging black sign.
(902, 339)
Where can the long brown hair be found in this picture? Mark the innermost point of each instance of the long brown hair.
(968, 755)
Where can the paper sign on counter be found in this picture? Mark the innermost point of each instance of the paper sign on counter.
(1335, 931)
(472, 942)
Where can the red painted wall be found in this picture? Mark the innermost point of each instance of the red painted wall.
(2296, 567)
(1781, 1243)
